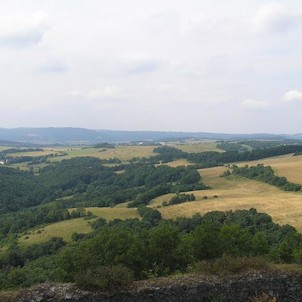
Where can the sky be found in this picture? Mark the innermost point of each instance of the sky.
(171, 65)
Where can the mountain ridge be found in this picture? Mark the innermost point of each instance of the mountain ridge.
(76, 135)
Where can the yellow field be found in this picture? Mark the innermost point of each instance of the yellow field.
(116, 212)
(62, 229)
(33, 153)
(124, 153)
(66, 228)
(195, 147)
(233, 192)
(285, 165)
(238, 193)
(4, 148)
(179, 162)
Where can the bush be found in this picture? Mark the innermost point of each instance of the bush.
(180, 198)
(264, 298)
(229, 265)
(105, 278)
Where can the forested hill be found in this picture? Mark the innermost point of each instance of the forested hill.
(68, 135)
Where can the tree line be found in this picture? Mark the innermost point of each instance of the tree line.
(265, 174)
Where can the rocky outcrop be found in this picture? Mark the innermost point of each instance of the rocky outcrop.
(190, 288)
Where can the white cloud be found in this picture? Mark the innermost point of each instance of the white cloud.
(75, 93)
(53, 66)
(140, 62)
(251, 104)
(293, 96)
(274, 18)
(200, 23)
(107, 92)
(22, 31)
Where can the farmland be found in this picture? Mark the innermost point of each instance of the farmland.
(132, 199)
(238, 193)
(230, 194)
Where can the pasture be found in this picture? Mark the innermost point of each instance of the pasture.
(66, 228)
(286, 165)
(198, 146)
(229, 193)
(63, 229)
(237, 193)
(124, 153)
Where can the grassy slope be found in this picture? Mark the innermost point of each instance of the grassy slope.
(285, 165)
(194, 147)
(66, 228)
(233, 193)
(238, 193)
(124, 153)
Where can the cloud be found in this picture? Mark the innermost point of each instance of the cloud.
(201, 24)
(293, 96)
(75, 94)
(23, 31)
(107, 92)
(140, 62)
(53, 66)
(274, 18)
(251, 104)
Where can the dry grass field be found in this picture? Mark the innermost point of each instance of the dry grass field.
(177, 163)
(66, 228)
(34, 153)
(121, 212)
(286, 165)
(62, 229)
(124, 153)
(238, 193)
(232, 193)
(194, 147)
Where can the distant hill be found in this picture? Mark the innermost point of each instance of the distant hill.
(68, 135)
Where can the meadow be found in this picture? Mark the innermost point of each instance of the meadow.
(237, 193)
(287, 165)
(66, 228)
(229, 193)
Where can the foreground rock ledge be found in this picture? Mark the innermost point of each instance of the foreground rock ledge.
(188, 288)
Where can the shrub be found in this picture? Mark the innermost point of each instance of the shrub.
(264, 298)
(230, 265)
(105, 278)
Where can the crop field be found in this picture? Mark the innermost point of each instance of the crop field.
(286, 165)
(237, 193)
